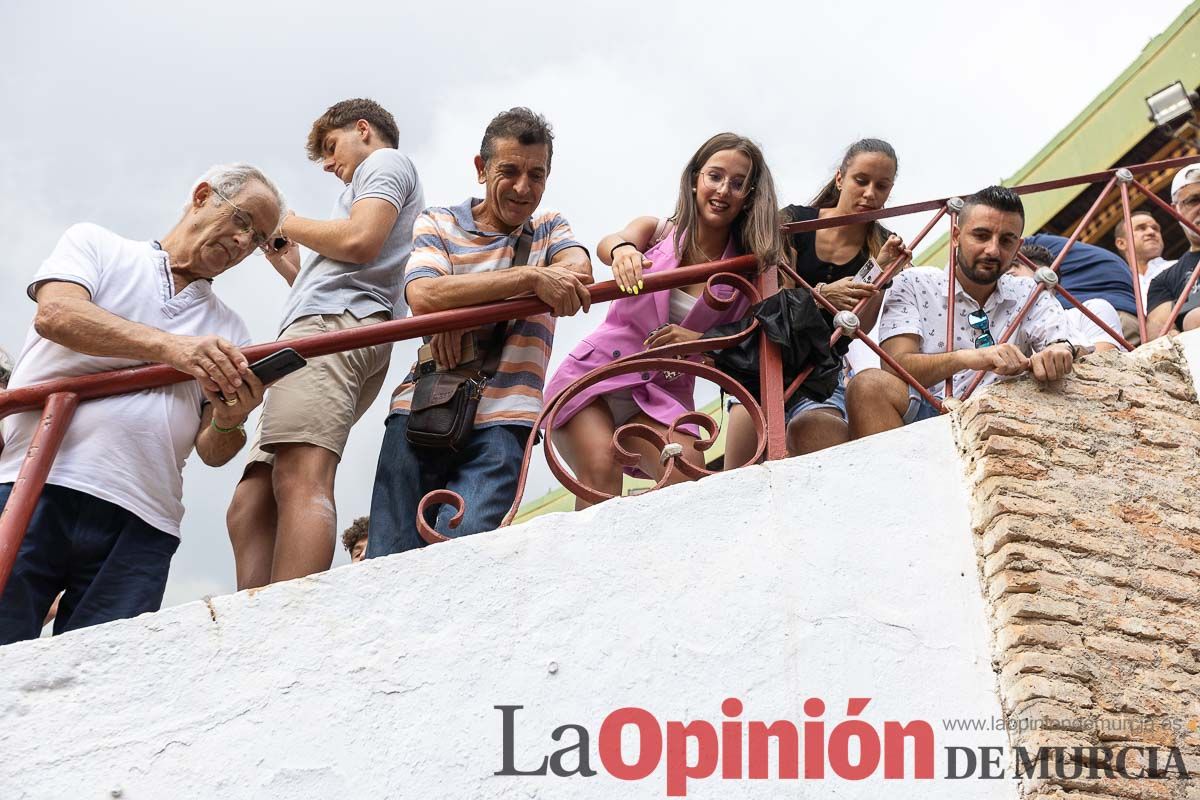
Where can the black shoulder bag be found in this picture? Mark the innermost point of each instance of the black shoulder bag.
(442, 413)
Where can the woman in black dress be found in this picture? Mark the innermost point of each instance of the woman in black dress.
(829, 259)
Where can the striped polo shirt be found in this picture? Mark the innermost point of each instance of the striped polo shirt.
(447, 241)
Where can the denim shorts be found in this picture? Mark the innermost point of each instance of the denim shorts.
(836, 401)
(919, 408)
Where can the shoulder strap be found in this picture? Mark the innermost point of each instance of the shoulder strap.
(500, 331)
(524, 245)
(660, 231)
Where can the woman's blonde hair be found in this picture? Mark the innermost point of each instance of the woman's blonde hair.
(830, 193)
(756, 228)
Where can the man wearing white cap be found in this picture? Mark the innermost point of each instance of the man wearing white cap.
(1166, 288)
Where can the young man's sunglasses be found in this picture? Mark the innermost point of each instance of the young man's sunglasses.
(979, 321)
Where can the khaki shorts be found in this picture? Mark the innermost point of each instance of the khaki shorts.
(319, 403)
(1129, 328)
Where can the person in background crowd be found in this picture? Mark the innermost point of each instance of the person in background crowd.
(829, 260)
(1090, 272)
(1169, 285)
(912, 325)
(354, 539)
(1147, 247)
(6, 368)
(463, 256)
(108, 519)
(282, 520)
(725, 207)
(1090, 331)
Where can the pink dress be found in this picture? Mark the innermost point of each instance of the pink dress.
(629, 321)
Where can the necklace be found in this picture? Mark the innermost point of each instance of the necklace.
(707, 257)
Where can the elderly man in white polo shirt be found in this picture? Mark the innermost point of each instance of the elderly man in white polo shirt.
(107, 523)
(912, 323)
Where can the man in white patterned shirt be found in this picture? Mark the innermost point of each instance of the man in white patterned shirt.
(912, 324)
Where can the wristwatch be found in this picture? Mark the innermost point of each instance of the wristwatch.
(1074, 350)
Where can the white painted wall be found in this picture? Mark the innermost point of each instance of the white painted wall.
(772, 584)
(1190, 343)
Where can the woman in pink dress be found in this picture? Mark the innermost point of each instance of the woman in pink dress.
(726, 207)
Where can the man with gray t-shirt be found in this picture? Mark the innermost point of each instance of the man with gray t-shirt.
(282, 521)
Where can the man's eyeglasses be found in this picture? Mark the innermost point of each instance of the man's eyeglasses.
(244, 223)
(715, 179)
(979, 321)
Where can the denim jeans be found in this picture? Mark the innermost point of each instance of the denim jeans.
(108, 563)
(484, 473)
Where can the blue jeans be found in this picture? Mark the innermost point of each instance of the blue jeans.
(484, 473)
(108, 563)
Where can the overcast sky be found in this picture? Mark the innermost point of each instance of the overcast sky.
(112, 109)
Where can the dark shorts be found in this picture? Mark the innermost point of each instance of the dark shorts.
(106, 561)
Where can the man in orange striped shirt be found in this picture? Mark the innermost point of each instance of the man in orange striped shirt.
(463, 256)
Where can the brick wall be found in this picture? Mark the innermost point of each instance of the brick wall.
(1086, 519)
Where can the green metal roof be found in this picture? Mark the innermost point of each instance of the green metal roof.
(1108, 128)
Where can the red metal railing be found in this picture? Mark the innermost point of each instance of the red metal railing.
(58, 399)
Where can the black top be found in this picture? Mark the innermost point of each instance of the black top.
(810, 267)
(1167, 287)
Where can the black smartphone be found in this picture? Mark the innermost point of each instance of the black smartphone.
(276, 365)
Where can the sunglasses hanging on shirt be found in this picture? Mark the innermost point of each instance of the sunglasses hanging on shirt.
(979, 321)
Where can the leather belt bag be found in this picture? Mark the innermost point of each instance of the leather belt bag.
(442, 413)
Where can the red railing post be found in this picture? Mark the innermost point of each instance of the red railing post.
(1124, 178)
(770, 367)
(954, 205)
(22, 501)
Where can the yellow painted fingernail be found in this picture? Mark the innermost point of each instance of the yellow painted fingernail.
(640, 284)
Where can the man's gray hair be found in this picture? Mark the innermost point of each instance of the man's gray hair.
(229, 179)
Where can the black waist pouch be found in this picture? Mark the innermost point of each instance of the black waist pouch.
(443, 409)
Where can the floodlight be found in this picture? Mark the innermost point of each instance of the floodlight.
(1172, 104)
